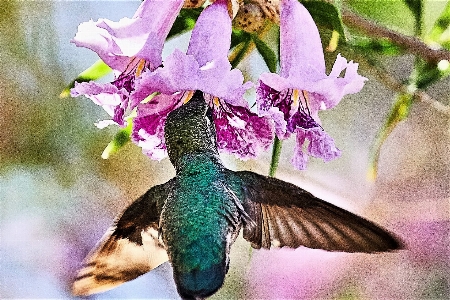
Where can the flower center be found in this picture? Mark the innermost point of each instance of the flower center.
(134, 69)
(302, 117)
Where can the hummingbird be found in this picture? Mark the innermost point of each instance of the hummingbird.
(193, 219)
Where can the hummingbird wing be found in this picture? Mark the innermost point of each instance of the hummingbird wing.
(128, 249)
(288, 216)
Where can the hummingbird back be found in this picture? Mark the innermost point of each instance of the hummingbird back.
(200, 220)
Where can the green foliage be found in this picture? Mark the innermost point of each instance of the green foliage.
(96, 71)
(327, 15)
(392, 14)
(269, 56)
(185, 21)
(425, 74)
(416, 7)
(399, 112)
(425, 71)
(122, 137)
(441, 25)
(378, 46)
(239, 36)
(240, 43)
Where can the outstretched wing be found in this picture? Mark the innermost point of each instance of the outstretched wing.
(130, 248)
(288, 216)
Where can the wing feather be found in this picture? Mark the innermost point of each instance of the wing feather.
(128, 249)
(288, 216)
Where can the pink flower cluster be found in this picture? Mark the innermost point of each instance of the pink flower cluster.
(286, 103)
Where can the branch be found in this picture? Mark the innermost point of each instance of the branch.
(398, 87)
(409, 43)
(425, 98)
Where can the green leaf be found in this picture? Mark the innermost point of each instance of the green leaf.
(238, 36)
(441, 25)
(416, 7)
(327, 15)
(96, 71)
(268, 54)
(426, 74)
(185, 21)
(380, 46)
(388, 13)
(240, 53)
(122, 137)
(399, 112)
(240, 43)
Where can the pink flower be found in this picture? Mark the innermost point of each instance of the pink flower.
(129, 47)
(294, 97)
(204, 67)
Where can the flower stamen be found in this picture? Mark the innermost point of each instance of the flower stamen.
(306, 99)
(140, 67)
(295, 97)
(187, 95)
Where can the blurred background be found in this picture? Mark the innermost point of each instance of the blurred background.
(58, 196)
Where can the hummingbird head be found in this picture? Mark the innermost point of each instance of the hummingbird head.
(190, 129)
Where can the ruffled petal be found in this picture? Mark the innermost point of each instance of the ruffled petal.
(274, 103)
(98, 39)
(181, 72)
(106, 95)
(275, 81)
(301, 120)
(321, 145)
(148, 125)
(241, 132)
(142, 36)
(333, 88)
(217, 79)
(300, 159)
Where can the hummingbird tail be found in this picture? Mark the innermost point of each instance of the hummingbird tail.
(198, 284)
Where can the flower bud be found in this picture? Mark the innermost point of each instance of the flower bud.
(193, 3)
(250, 17)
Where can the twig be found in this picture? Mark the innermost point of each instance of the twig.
(425, 98)
(409, 43)
(398, 87)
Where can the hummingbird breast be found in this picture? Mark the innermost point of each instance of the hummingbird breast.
(199, 222)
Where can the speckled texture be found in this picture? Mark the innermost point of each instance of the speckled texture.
(199, 221)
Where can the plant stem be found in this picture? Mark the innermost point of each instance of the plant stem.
(411, 44)
(276, 151)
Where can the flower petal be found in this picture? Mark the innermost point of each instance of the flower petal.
(321, 145)
(148, 125)
(242, 132)
(106, 95)
(301, 120)
(142, 36)
(180, 73)
(205, 67)
(271, 102)
(333, 88)
(211, 36)
(301, 53)
(300, 159)
(222, 82)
